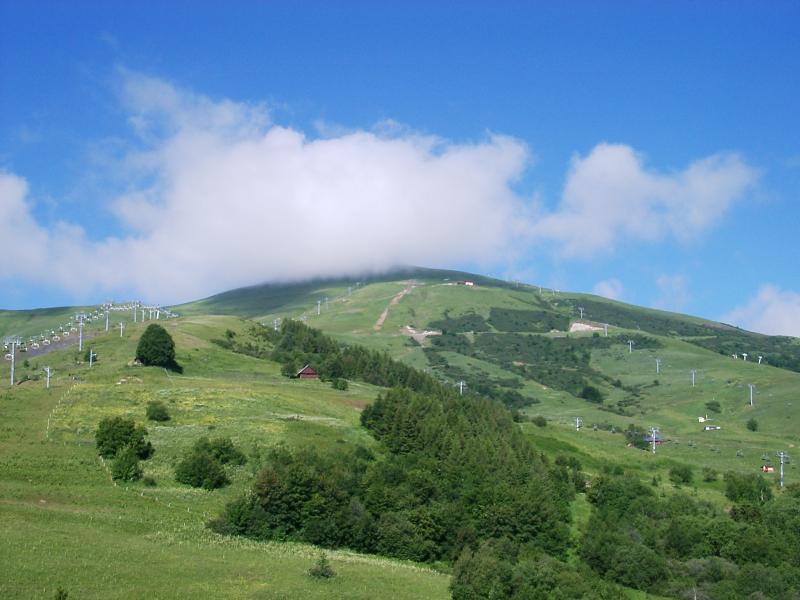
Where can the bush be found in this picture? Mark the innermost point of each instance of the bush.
(114, 433)
(681, 475)
(709, 474)
(752, 425)
(126, 465)
(61, 594)
(156, 347)
(539, 421)
(322, 569)
(201, 469)
(591, 394)
(156, 411)
(713, 406)
(339, 384)
(221, 449)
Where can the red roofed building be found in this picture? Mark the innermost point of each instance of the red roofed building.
(307, 373)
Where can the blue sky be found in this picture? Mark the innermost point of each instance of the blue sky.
(172, 150)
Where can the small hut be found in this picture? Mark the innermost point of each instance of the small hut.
(307, 373)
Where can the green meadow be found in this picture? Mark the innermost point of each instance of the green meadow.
(66, 524)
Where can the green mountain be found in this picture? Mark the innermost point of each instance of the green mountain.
(527, 348)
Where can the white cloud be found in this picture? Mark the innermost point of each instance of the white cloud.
(610, 195)
(772, 311)
(232, 200)
(673, 292)
(219, 196)
(609, 288)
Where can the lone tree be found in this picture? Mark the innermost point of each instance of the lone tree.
(156, 348)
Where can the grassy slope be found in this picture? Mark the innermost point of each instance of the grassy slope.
(674, 405)
(64, 523)
(26, 323)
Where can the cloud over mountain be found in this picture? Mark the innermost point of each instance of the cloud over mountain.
(220, 196)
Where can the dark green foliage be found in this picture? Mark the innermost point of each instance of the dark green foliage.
(535, 321)
(481, 383)
(221, 449)
(454, 469)
(752, 425)
(462, 324)
(322, 569)
(157, 411)
(61, 594)
(201, 469)
(339, 384)
(681, 475)
(539, 421)
(591, 394)
(114, 433)
(709, 474)
(713, 406)
(752, 488)
(299, 345)
(156, 348)
(126, 465)
(498, 570)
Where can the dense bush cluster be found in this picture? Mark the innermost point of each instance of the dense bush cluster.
(299, 345)
(451, 472)
(125, 442)
(674, 545)
(536, 321)
(202, 465)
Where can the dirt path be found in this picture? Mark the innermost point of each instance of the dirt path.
(410, 285)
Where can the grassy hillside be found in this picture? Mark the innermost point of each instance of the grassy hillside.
(60, 508)
(64, 522)
(503, 336)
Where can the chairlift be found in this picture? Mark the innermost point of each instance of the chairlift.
(35, 345)
(46, 342)
(8, 356)
(66, 334)
(56, 338)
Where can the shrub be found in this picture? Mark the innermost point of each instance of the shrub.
(752, 425)
(591, 394)
(751, 488)
(201, 469)
(114, 433)
(221, 449)
(681, 475)
(339, 384)
(709, 474)
(322, 569)
(713, 406)
(156, 347)
(156, 411)
(539, 421)
(126, 465)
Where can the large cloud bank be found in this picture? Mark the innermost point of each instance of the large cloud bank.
(221, 197)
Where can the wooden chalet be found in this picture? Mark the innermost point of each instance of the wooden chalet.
(307, 373)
